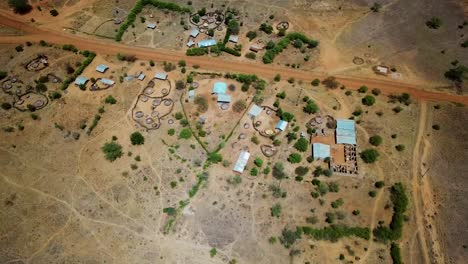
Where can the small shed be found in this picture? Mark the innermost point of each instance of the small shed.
(281, 125)
(234, 38)
(81, 80)
(224, 98)
(194, 33)
(320, 151)
(141, 77)
(151, 25)
(129, 78)
(254, 111)
(206, 43)
(219, 88)
(190, 43)
(102, 68)
(161, 76)
(255, 48)
(191, 95)
(241, 161)
(107, 81)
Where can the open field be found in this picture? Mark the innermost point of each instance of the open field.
(150, 170)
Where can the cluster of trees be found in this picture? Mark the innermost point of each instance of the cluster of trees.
(270, 54)
(132, 15)
(335, 232)
(20, 6)
(400, 204)
(89, 58)
(369, 155)
(196, 51)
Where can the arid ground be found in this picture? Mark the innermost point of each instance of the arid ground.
(170, 200)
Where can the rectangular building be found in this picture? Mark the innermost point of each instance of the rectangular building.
(345, 131)
(206, 43)
(241, 161)
(320, 151)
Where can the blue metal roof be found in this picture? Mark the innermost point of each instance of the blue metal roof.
(151, 25)
(194, 33)
(81, 80)
(161, 75)
(219, 88)
(345, 124)
(345, 131)
(206, 43)
(255, 110)
(281, 125)
(102, 68)
(224, 98)
(320, 151)
(141, 77)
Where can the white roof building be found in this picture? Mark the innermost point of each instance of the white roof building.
(241, 161)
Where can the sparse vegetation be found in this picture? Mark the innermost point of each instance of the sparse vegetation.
(112, 150)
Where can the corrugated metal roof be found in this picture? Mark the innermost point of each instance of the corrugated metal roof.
(194, 33)
(219, 88)
(190, 43)
(224, 98)
(102, 68)
(160, 76)
(320, 151)
(191, 93)
(255, 110)
(81, 80)
(141, 77)
(206, 43)
(282, 125)
(151, 25)
(241, 161)
(345, 124)
(233, 38)
(107, 81)
(345, 131)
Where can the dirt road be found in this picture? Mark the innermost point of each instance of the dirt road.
(108, 47)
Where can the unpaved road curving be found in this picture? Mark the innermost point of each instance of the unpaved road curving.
(108, 47)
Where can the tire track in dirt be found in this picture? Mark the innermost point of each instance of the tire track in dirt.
(106, 47)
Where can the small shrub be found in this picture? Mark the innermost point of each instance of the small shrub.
(434, 23)
(375, 140)
(315, 82)
(258, 162)
(376, 91)
(301, 144)
(171, 132)
(276, 210)
(363, 89)
(369, 155)
(368, 100)
(379, 184)
(54, 12)
(436, 127)
(372, 194)
(110, 100)
(6, 106)
(400, 147)
(254, 171)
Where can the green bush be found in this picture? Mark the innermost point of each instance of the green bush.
(375, 140)
(400, 147)
(258, 162)
(395, 254)
(379, 184)
(3, 75)
(254, 171)
(276, 210)
(434, 23)
(185, 133)
(311, 107)
(54, 12)
(337, 203)
(112, 150)
(301, 171)
(270, 54)
(171, 132)
(363, 89)
(315, 82)
(369, 155)
(278, 171)
(368, 100)
(301, 144)
(295, 158)
(20, 6)
(137, 138)
(6, 106)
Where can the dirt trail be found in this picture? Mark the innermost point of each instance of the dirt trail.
(420, 191)
(107, 47)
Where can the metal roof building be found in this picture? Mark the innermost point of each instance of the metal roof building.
(320, 151)
(141, 77)
(281, 125)
(161, 76)
(224, 98)
(191, 95)
(233, 38)
(254, 111)
(190, 43)
(345, 131)
(241, 161)
(102, 68)
(194, 33)
(151, 25)
(206, 43)
(219, 88)
(107, 81)
(81, 80)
